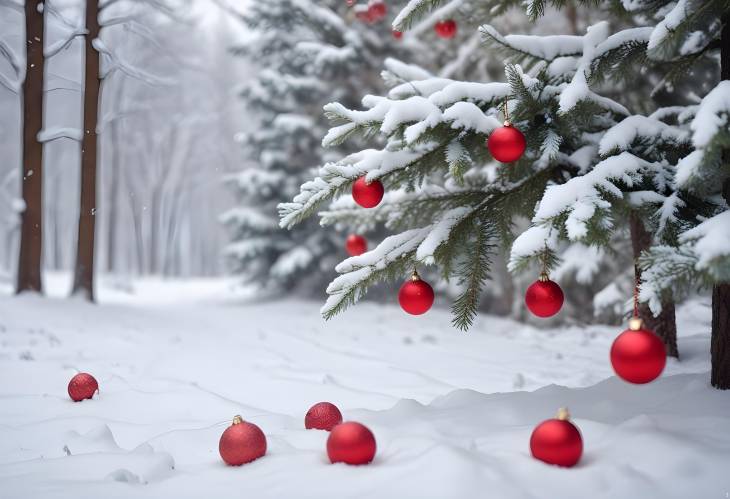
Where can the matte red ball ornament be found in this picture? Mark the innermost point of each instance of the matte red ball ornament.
(397, 34)
(416, 295)
(367, 194)
(557, 441)
(638, 355)
(351, 443)
(82, 386)
(322, 416)
(445, 29)
(377, 10)
(241, 443)
(506, 144)
(544, 298)
(356, 245)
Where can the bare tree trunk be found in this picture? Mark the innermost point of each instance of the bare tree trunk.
(84, 272)
(664, 324)
(31, 231)
(720, 337)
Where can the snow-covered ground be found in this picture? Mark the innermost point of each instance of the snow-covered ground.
(452, 412)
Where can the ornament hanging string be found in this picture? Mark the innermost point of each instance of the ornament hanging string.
(636, 290)
(506, 114)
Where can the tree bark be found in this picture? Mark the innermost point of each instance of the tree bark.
(664, 325)
(31, 231)
(720, 336)
(84, 271)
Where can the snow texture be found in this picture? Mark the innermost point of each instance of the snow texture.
(452, 413)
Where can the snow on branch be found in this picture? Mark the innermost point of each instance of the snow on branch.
(710, 242)
(11, 57)
(336, 178)
(54, 133)
(545, 48)
(621, 136)
(710, 133)
(416, 9)
(578, 90)
(392, 257)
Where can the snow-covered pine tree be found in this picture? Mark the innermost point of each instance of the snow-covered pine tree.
(434, 125)
(304, 54)
(591, 164)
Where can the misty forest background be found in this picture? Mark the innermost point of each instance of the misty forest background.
(183, 138)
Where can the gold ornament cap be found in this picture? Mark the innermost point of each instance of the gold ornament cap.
(563, 414)
(415, 276)
(544, 277)
(635, 323)
(237, 419)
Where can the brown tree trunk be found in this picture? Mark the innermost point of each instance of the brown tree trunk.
(31, 230)
(664, 324)
(84, 272)
(720, 336)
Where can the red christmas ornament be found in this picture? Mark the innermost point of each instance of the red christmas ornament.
(377, 10)
(397, 34)
(241, 443)
(82, 386)
(356, 245)
(416, 296)
(506, 143)
(638, 355)
(322, 416)
(351, 443)
(544, 297)
(350, 3)
(557, 441)
(363, 14)
(445, 29)
(367, 194)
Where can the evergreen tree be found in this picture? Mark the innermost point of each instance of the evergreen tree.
(590, 168)
(306, 53)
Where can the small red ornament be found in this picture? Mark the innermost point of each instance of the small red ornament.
(397, 34)
(557, 441)
(377, 10)
(82, 386)
(367, 194)
(351, 443)
(241, 443)
(322, 416)
(416, 295)
(544, 297)
(445, 29)
(350, 3)
(356, 245)
(506, 143)
(363, 14)
(638, 355)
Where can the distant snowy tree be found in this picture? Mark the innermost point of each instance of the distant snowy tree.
(592, 166)
(304, 54)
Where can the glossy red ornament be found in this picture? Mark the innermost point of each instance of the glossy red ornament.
(544, 298)
(363, 14)
(397, 34)
(367, 194)
(377, 10)
(82, 386)
(638, 355)
(241, 443)
(356, 245)
(416, 296)
(506, 143)
(557, 441)
(322, 416)
(445, 29)
(351, 443)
